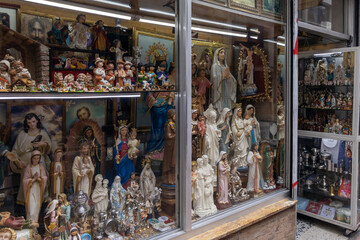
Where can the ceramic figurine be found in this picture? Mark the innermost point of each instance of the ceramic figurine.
(151, 75)
(117, 196)
(135, 73)
(34, 184)
(254, 159)
(95, 147)
(225, 85)
(240, 139)
(63, 215)
(4, 70)
(223, 124)
(307, 76)
(22, 73)
(128, 74)
(99, 196)
(322, 100)
(223, 172)
(195, 142)
(201, 125)
(33, 136)
(147, 180)
(74, 233)
(124, 166)
(339, 76)
(57, 174)
(118, 50)
(120, 73)
(83, 169)
(70, 82)
(75, 64)
(209, 179)
(333, 101)
(81, 82)
(133, 144)
(56, 31)
(212, 135)
(89, 83)
(194, 177)
(202, 201)
(236, 192)
(255, 135)
(81, 207)
(17, 223)
(281, 122)
(50, 214)
(168, 171)
(80, 36)
(321, 78)
(99, 72)
(205, 62)
(328, 102)
(248, 86)
(330, 74)
(312, 69)
(268, 168)
(162, 77)
(202, 83)
(100, 39)
(142, 75)
(337, 127)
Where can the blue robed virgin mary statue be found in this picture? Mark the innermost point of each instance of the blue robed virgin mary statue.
(124, 166)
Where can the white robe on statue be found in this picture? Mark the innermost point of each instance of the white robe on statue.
(79, 168)
(241, 142)
(212, 136)
(254, 171)
(147, 181)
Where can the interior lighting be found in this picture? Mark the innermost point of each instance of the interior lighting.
(68, 96)
(113, 3)
(272, 41)
(333, 54)
(156, 22)
(156, 11)
(219, 23)
(254, 37)
(79, 9)
(255, 30)
(207, 30)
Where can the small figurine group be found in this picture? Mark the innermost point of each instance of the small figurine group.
(326, 99)
(327, 73)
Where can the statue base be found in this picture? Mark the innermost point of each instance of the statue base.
(221, 206)
(168, 199)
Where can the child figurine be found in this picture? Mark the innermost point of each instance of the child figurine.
(21, 73)
(120, 73)
(141, 73)
(89, 83)
(99, 72)
(70, 82)
(134, 77)
(330, 75)
(110, 76)
(201, 125)
(162, 77)
(151, 75)
(80, 82)
(128, 74)
(133, 143)
(4, 70)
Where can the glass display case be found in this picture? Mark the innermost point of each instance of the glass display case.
(141, 119)
(327, 140)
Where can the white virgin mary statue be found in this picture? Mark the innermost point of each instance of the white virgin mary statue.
(224, 90)
(212, 136)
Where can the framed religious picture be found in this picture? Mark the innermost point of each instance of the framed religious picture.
(8, 15)
(217, 2)
(253, 72)
(155, 48)
(36, 26)
(251, 6)
(272, 8)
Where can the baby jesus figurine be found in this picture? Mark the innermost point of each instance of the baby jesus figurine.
(133, 143)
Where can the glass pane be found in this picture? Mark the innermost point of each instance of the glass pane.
(325, 177)
(103, 167)
(326, 92)
(326, 13)
(238, 115)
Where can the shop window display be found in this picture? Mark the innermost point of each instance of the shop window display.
(95, 166)
(238, 115)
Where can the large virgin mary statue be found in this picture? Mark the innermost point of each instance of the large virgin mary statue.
(224, 90)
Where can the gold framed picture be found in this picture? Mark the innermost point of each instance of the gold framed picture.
(251, 6)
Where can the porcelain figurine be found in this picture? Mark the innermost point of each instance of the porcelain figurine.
(17, 223)
(194, 177)
(81, 207)
(162, 77)
(120, 73)
(100, 39)
(321, 76)
(330, 74)
(33, 136)
(128, 74)
(223, 124)
(205, 62)
(83, 169)
(202, 206)
(268, 168)
(212, 136)
(133, 144)
(236, 192)
(254, 159)
(81, 82)
(202, 84)
(50, 216)
(74, 233)
(63, 215)
(151, 75)
(4, 70)
(339, 76)
(281, 122)
(94, 145)
(80, 36)
(147, 180)
(22, 73)
(248, 86)
(168, 171)
(118, 50)
(89, 83)
(240, 139)
(333, 101)
(201, 125)
(70, 82)
(34, 184)
(255, 135)
(223, 172)
(99, 72)
(99, 196)
(225, 85)
(57, 174)
(141, 73)
(209, 181)
(124, 166)
(195, 141)
(307, 76)
(117, 196)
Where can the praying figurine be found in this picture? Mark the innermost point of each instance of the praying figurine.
(254, 159)
(223, 167)
(57, 174)
(147, 179)
(34, 184)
